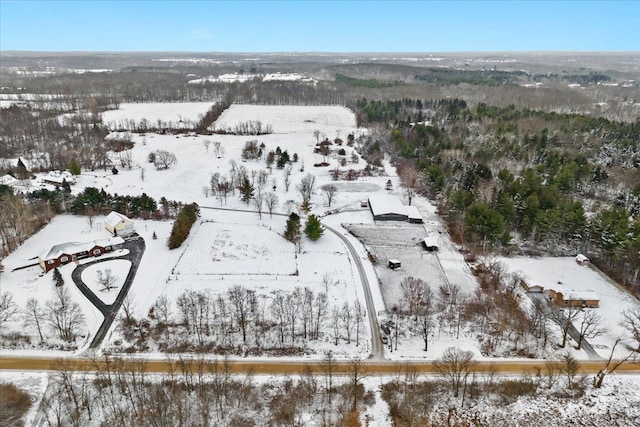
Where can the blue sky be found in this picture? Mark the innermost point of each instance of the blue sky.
(319, 26)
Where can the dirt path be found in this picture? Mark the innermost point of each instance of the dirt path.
(293, 368)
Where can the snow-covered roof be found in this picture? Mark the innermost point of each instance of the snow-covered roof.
(7, 179)
(431, 241)
(385, 204)
(115, 218)
(575, 294)
(58, 177)
(581, 258)
(75, 247)
(413, 212)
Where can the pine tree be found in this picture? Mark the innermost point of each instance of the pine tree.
(246, 190)
(292, 231)
(313, 229)
(74, 167)
(57, 277)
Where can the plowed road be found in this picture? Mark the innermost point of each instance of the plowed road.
(292, 368)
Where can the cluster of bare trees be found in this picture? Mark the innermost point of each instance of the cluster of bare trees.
(251, 127)
(239, 320)
(59, 316)
(201, 392)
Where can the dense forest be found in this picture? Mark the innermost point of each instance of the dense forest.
(519, 180)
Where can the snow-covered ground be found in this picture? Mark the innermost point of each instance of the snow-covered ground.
(154, 112)
(232, 248)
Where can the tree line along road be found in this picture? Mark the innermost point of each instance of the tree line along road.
(372, 367)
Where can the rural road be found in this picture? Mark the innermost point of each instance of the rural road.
(293, 368)
(377, 350)
(136, 247)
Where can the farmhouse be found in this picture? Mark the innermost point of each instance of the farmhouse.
(387, 208)
(57, 178)
(118, 224)
(64, 253)
(415, 217)
(574, 298)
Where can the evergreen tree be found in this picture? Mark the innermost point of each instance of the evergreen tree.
(313, 229)
(57, 277)
(292, 231)
(246, 190)
(74, 167)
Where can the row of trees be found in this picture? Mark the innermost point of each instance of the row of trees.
(241, 321)
(182, 225)
(121, 392)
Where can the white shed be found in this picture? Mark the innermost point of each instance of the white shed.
(118, 224)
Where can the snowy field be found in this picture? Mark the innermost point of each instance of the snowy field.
(154, 112)
(332, 121)
(237, 250)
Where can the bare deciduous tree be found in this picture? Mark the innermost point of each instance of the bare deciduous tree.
(414, 292)
(631, 321)
(164, 159)
(590, 327)
(306, 186)
(456, 365)
(63, 316)
(258, 201)
(242, 302)
(271, 200)
(329, 192)
(106, 279)
(564, 318)
(609, 368)
(32, 316)
(286, 173)
(8, 308)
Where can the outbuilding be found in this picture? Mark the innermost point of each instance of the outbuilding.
(575, 298)
(387, 208)
(430, 243)
(394, 264)
(415, 217)
(118, 224)
(582, 260)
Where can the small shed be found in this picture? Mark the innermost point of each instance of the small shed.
(394, 264)
(430, 243)
(582, 260)
(364, 203)
(118, 224)
(415, 217)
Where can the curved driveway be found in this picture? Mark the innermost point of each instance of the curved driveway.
(136, 247)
